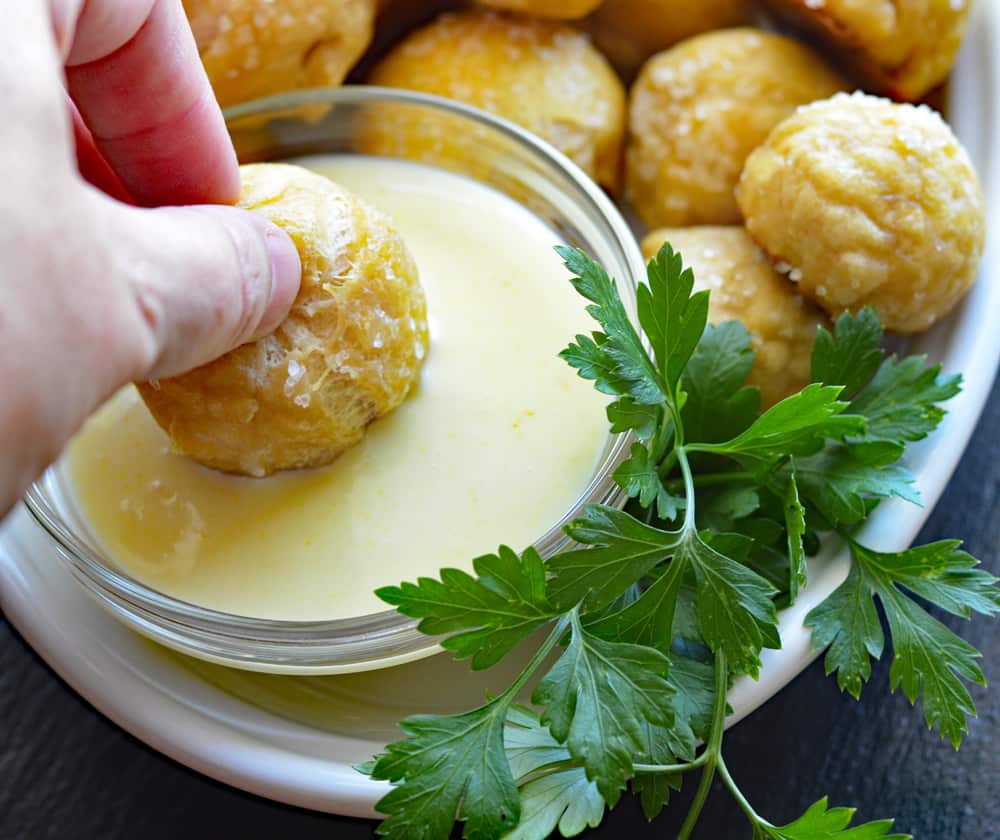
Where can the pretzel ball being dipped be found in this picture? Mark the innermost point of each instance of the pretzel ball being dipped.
(545, 76)
(562, 9)
(630, 31)
(904, 48)
(865, 202)
(745, 287)
(697, 110)
(253, 48)
(348, 353)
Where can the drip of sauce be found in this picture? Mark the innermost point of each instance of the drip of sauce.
(496, 443)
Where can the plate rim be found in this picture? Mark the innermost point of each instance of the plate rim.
(222, 752)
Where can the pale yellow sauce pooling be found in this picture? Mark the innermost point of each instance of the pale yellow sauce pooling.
(498, 441)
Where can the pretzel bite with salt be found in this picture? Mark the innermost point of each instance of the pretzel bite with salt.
(542, 75)
(349, 351)
(254, 48)
(865, 202)
(697, 110)
(904, 48)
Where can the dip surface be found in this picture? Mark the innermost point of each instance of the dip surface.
(496, 443)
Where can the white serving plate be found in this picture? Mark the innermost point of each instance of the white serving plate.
(298, 737)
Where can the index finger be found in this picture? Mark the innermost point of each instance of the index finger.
(135, 76)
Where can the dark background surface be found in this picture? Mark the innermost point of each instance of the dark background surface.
(66, 772)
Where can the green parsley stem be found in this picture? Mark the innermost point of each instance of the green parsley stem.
(549, 769)
(689, 523)
(681, 452)
(678, 424)
(667, 464)
(541, 653)
(663, 434)
(741, 800)
(699, 801)
(711, 480)
(672, 768)
(713, 750)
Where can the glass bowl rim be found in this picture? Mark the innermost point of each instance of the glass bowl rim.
(386, 625)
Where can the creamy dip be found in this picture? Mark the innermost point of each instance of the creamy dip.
(494, 446)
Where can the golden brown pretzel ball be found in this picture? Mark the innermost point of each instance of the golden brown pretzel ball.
(866, 202)
(699, 109)
(630, 31)
(253, 48)
(563, 9)
(349, 351)
(904, 47)
(542, 75)
(745, 287)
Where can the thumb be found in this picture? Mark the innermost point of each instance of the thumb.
(204, 280)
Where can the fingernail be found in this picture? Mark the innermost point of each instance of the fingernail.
(286, 274)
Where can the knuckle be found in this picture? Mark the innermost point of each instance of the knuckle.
(148, 300)
(250, 274)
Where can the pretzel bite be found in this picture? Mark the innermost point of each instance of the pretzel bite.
(866, 202)
(698, 109)
(562, 9)
(904, 48)
(543, 75)
(349, 351)
(630, 31)
(253, 48)
(745, 287)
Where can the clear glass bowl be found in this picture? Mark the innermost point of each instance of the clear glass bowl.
(352, 120)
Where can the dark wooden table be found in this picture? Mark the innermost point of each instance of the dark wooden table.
(66, 772)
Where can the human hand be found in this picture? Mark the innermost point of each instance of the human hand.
(95, 293)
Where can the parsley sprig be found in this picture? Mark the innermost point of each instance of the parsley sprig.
(661, 604)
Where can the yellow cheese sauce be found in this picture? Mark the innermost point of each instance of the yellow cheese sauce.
(494, 446)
